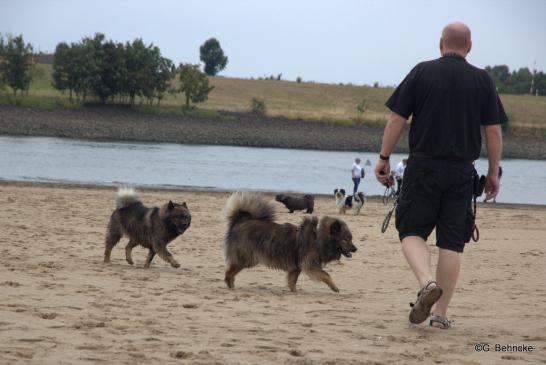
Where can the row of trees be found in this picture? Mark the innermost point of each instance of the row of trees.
(111, 71)
(522, 81)
(121, 72)
(16, 63)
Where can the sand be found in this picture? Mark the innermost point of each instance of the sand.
(60, 304)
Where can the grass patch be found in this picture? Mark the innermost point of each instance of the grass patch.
(37, 102)
(327, 103)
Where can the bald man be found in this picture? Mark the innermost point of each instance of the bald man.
(449, 101)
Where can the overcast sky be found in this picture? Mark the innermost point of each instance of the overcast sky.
(327, 41)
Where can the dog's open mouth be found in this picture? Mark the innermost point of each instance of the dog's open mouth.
(346, 253)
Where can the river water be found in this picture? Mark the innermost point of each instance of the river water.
(221, 167)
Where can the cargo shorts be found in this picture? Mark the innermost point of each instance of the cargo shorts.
(437, 194)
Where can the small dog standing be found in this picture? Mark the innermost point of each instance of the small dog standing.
(292, 203)
(344, 202)
(253, 237)
(152, 228)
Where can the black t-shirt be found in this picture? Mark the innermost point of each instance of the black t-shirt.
(449, 100)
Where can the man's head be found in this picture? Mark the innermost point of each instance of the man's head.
(456, 38)
(357, 160)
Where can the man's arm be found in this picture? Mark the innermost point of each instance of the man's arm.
(391, 135)
(493, 141)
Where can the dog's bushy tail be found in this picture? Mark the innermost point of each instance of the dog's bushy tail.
(248, 205)
(126, 196)
(361, 197)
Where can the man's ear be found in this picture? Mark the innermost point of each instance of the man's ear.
(469, 47)
(441, 44)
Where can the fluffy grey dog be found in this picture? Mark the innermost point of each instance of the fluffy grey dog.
(253, 237)
(152, 228)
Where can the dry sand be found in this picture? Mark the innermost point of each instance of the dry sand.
(60, 304)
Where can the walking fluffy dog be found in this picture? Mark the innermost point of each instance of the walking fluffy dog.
(253, 237)
(152, 228)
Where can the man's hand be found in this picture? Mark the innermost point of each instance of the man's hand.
(492, 186)
(382, 170)
(493, 140)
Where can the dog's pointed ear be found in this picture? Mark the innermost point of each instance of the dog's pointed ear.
(342, 191)
(184, 205)
(170, 205)
(335, 228)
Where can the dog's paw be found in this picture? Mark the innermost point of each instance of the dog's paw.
(130, 262)
(176, 265)
(335, 288)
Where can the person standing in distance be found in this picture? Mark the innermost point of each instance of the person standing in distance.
(399, 174)
(357, 172)
(449, 101)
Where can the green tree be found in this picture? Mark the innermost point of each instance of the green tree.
(213, 57)
(540, 83)
(17, 63)
(62, 68)
(136, 64)
(164, 73)
(521, 81)
(193, 84)
(501, 75)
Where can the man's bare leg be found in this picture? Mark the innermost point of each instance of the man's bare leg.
(418, 257)
(447, 273)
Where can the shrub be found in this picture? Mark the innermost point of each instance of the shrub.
(361, 108)
(298, 79)
(257, 106)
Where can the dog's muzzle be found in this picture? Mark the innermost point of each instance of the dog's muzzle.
(182, 227)
(348, 253)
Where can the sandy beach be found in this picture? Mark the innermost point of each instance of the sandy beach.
(60, 304)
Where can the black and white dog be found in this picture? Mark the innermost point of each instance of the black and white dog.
(345, 202)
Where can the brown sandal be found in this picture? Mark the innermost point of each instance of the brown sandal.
(425, 300)
(443, 322)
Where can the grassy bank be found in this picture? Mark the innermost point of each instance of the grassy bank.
(305, 100)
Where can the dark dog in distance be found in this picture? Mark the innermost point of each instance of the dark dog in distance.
(292, 203)
(346, 202)
(254, 238)
(152, 228)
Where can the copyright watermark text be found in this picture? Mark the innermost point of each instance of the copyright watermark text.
(486, 347)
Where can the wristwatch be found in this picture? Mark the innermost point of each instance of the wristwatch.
(384, 158)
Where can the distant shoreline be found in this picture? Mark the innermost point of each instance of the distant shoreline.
(237, 129)
(182, 188)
